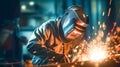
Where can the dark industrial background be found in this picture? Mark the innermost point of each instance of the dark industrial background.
(18, 19)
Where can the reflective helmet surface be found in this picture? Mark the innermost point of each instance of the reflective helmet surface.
(69, 21)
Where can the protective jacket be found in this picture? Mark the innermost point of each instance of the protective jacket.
(46, 45)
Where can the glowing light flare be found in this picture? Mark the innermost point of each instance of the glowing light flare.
(97, 54)
(93, 27)
(98, 22)
(95, 33)
(23, 7)
(103, 13)
(97, 50)
(31, 3)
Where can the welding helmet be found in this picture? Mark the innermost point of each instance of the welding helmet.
(73, 23)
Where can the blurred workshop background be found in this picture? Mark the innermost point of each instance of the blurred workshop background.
(18, 19)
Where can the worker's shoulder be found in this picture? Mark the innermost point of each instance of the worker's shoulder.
(51, 21)
(48, 23)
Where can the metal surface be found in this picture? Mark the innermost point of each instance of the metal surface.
(109, 63)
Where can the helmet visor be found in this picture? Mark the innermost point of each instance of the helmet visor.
(72, 22)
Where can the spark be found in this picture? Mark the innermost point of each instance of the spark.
(77, 46)
(97, 50)
(114, 25)
(97, 54)
(109, 11)
(74, 50)
(110, 2)
(104, 26)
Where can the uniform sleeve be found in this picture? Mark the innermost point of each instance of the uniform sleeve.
(36, 44)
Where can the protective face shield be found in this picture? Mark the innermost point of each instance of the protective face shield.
(73, 23)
